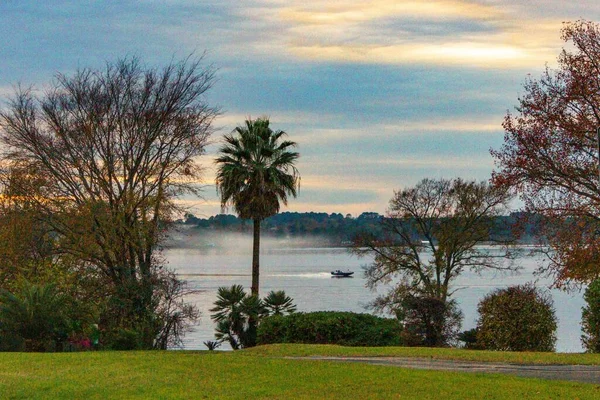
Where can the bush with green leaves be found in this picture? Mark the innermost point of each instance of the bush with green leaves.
(34, 318)
(517, 318)
(469, 338)
(428, 321)
(238, 314)
(330, 327)
(590, 318)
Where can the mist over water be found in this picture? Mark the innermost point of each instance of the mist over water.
(210, 261)
(235, 243)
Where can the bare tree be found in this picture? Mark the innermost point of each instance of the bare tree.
(433, 232)
(115, 146)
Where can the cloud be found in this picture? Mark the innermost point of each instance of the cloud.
(325, 12)
(378, 94)
(444, 32)
(384, 132)
(471, 54)
(278, 119)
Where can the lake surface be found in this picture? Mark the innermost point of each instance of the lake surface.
(304, 274)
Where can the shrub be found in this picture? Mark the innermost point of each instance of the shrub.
(469, 338)
(124, 339)
(428, 321)
(10, 341)
(34, 318)
(590, 318)
(517, 318)
(330, 327)
(238, 314)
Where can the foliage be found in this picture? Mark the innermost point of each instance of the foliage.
(469, 338)
(212, 345)
(433, 232)
(237, 316)
(255, 173)
(26, 243)
(428, 321)
(330, 327)
(517, 318)
(30, 249)
(255, 170)
(172, 319)
(124, 339)
(106, 152)
(550, 155)
(278, 303)
(175, 316)
(590, 318)
(37, 317)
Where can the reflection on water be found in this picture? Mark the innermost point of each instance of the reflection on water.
(304, 274)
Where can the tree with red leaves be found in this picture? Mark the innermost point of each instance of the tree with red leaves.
(550, 155)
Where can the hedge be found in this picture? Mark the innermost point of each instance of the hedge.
(330, 327)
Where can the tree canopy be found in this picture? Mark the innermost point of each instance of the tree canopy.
(256, 170)
(550, 154)
(104, 153)
(433, 230)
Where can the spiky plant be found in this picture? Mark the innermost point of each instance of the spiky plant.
(237, 316)
(278, 303)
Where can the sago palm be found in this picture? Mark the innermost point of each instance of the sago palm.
(278, 303)
(237, 316)
(256, 173)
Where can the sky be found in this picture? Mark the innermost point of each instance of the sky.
(378, 94)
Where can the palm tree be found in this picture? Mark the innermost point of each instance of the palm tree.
(255, 174)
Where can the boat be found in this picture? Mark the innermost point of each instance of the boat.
(341, 274)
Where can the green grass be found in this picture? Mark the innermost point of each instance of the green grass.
(302, 350)
(249, 375)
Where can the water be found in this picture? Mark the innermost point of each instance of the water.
(304, 274)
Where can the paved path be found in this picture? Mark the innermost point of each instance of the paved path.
(578, 373)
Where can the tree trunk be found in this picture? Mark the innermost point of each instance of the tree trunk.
(255, 256)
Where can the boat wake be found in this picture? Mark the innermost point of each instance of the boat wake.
(313, 275)
(194, 274)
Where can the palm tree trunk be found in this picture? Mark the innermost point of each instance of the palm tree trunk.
(255, 257)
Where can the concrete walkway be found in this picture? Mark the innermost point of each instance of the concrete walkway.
(577, 373)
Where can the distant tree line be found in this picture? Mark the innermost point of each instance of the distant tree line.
(340, 230)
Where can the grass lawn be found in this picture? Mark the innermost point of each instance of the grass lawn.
(249, 375)
(300, 350)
